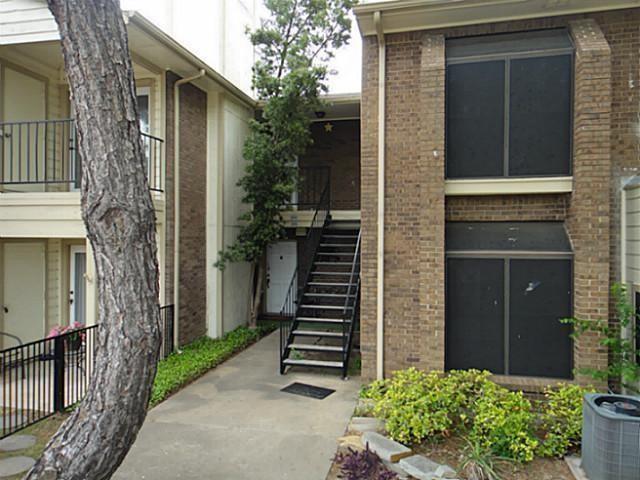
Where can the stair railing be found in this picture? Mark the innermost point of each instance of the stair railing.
(319, 220)
(350, 310)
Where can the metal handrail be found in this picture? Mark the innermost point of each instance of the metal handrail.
(290, 305)
(349, 312)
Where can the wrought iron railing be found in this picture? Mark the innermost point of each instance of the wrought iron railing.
(311, 184)
(51, 375)
(300, 276)
(39, 153)
(44, 377)
(167, 326)
(351, 306)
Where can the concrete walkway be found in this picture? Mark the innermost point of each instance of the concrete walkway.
(234, 423)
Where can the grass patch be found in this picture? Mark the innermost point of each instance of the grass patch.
(180, 369)
(43, 431)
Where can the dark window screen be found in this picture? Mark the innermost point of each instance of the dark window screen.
(475, 119)
(475, 314)
(540, 116)
(539, 296)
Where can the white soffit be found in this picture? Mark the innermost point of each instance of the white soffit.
(411, 15)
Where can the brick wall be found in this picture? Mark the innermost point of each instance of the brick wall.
(507, 208)
(605, 147)
(338, 148)
(193, 175)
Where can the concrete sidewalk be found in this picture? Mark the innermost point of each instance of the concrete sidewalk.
(235, 424)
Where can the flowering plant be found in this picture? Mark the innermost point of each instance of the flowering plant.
(62, 329)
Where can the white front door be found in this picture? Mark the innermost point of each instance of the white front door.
(77, 285)
(281, 263)
(24, 291)
(23, 99)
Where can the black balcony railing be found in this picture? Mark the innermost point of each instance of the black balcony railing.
(311, 185)
(51, 375)
(34, 154)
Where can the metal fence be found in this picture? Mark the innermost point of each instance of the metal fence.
(51, 375)
(39, 153)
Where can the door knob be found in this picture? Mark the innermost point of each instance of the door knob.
(5, 308)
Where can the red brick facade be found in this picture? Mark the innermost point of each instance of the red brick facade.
(605, 147)
(193, 177)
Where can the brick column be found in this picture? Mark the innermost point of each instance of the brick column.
(368, 203)
(431, 144)
(589, 213)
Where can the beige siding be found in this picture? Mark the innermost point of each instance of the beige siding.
(53, 283)
(632, 243)
(26, 21)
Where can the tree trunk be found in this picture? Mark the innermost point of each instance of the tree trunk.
(120, 221)
(257, 280)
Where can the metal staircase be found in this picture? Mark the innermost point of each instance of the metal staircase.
(323, 310)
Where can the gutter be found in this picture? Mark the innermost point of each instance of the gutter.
(176, 201)
(377, 19)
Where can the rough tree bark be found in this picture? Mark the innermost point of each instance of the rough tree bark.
(120, 220)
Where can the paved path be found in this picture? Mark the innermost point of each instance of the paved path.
(234, 423)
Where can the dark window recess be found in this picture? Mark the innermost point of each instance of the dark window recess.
(475, 314)
(507, 236)
(539, 296)
(475, 119)
(508, 105)
(540, 116)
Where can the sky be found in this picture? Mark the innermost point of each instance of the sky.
(346, 64)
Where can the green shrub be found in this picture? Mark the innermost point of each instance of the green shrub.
(197, 358)
(504, 423)
(417, 405)
(561, 420)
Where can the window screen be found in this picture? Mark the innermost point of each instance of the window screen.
(475, 314)
(509, 105)
(540, 116)
(539, 296)
(475, 119)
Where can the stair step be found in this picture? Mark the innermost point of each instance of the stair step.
(338, 245)
(328, 284)
(328, 295)
(333, 235)
(322, 320)
(332, 263)
(312, 363)
(335, 254)
(325, 307)
(316, 348)
(330, 273)
(316, 333)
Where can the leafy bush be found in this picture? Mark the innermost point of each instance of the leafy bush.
(622, 365)
(561, 420)
(504, 423)
(198, 357)
(417, 405)
(362, 465)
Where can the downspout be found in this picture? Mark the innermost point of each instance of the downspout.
(377, 20)
(176, 202)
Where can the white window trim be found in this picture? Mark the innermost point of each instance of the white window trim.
(73, 249)
(508, 186)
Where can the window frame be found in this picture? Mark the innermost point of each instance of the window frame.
(507, 57)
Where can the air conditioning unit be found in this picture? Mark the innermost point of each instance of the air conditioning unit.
(611, 437)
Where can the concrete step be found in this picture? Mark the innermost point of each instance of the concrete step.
(312, 363)
(328, 295)
(324, 307)
(316, 333)
(316, 348)
(338, 321)
(328, 284)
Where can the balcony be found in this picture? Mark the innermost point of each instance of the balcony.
(42, 156)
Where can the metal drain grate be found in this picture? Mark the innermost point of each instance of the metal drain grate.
(305, 390)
